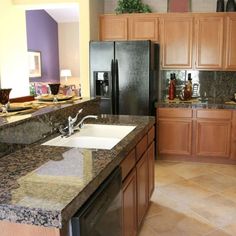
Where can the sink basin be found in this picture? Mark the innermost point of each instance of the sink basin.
(93, 136)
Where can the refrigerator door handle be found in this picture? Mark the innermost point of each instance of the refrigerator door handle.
(112, 86)
(116, 87)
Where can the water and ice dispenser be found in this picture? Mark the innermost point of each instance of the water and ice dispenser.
(102, 86)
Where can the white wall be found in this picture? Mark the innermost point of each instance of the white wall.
(161, 5)
(68, 39)
(13, 49)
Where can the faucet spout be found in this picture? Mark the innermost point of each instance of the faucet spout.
(81, 123)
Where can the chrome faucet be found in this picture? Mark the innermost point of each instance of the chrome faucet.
(70, 128)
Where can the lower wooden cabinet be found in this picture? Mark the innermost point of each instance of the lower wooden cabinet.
(142, 187)
(151, 169)
(129, 205)
(204, 134)
(213, 138)
(138, 184)
(175, 136)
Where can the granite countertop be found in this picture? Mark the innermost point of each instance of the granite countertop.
(196, 105)
(46, 185)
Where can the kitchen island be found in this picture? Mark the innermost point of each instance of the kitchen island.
(39, 191)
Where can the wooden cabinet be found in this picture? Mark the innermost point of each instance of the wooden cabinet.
(233, 143)
(230, 57)
(143, 27)
(151, 168)
(174, 131)
(176, 37)
(113, 27)
(197, 134)
(213, 133)
(209, 41)
(129, 27)
(142, 187)
(138, 182)
(129, 205)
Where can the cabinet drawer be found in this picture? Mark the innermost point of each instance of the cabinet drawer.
(127, 164)
(151, 135)
(174, 113)
(141, 147)
(214, 114)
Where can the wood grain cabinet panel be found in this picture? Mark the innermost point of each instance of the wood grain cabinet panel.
(151, 167)
(143, 28)
(176, 36)
(213, 138)
(230, 62)
(113, 28)
(142, 187)
(209, 42)
(233, 143)
(128, 164)
(129, 205)
(175, 136)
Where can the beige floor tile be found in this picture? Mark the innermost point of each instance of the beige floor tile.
(190, 170)
(169, 222)
(230, 193)
(230, 229)
(215, 181)
(229, 170)
(218, 232)
(217, 209)
(192, 199)
(185, 191)
(164, 176)
(147, 230)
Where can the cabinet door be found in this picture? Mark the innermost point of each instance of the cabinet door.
(233, 144)
(129, 205)
(113, 28)
(230, 63)
(175, 136)
(142, 187)
(209, 42)
(213, 138)
(151, 167)
(176, 35)
(143, 28)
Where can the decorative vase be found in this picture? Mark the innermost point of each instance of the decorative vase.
(220, 7)
(230, 6)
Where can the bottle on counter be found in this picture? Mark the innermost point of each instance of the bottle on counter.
(172, 87)
(189, 84)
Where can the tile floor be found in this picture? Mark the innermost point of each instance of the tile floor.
(192, 199)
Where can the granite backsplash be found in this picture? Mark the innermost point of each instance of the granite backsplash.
(41, 124)
(216, 86)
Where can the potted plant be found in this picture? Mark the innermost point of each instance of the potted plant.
(132, 6)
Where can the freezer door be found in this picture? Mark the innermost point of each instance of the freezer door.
(133, 62)
(102, 63)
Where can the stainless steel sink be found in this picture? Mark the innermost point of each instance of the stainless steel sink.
(95, 136)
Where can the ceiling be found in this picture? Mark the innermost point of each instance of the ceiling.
(61, 13)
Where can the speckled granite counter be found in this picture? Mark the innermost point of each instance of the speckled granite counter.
(45, 185)
(21, 130)
(196, 105)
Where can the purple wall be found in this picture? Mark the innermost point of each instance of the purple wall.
(42, 35)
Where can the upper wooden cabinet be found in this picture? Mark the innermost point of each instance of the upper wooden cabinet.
(230, 60)
(143, 28)
(113, 28)
(209, 41)
(176, 36)
(205, 41)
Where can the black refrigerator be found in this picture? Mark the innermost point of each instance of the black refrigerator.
(125, 75)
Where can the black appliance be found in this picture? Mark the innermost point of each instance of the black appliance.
(125, 75)
(101, 215)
